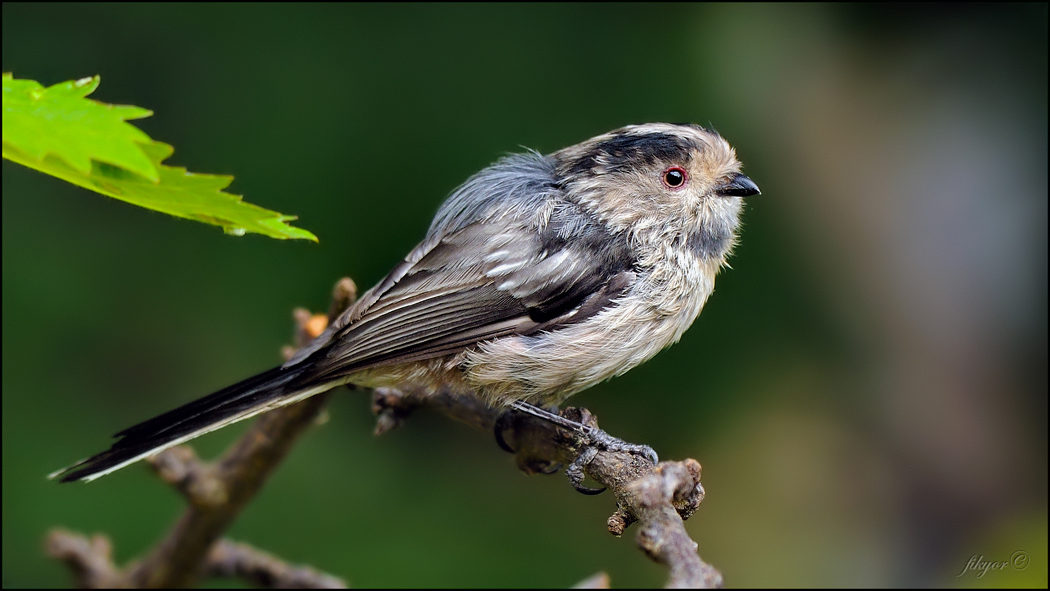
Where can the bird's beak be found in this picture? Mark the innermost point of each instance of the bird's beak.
(740, 186)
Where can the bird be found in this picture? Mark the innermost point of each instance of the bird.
(539, 277)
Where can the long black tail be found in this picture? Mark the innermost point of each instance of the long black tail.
(257, 394)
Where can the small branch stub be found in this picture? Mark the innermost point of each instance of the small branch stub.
(89, 559)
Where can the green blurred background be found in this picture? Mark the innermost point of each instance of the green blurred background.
(866, 389)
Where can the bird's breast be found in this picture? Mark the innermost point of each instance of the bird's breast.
(548, 367)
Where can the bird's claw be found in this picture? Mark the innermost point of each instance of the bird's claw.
(504, 422)
(551, 468)
(575, 472)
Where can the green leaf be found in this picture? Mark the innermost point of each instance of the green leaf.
(58, 131)
(59, 120)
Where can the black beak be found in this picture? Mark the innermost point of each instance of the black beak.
(740, 186)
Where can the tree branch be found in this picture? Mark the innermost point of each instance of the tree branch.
(217, 492)
(91, 561)
(657, 497)
(230, 559)
(220, 491)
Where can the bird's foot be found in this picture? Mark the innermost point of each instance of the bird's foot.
(504, 423)
(575, 471)
(507, 422)
(602, 440)
(593, 441)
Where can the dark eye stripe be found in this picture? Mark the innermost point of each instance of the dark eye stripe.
(628, 151)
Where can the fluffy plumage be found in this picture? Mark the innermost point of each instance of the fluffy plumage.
(539, 277)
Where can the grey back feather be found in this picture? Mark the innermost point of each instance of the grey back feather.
(518, 184)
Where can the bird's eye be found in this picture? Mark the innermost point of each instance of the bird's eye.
(675, 177)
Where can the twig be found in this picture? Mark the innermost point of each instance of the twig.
(91, 561)
(658, 497)
(660, 501)
(220, 492)
(216, 492)
(230, 559)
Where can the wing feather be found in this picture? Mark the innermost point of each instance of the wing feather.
(478, 283)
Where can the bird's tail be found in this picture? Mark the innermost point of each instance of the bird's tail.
(269, 390)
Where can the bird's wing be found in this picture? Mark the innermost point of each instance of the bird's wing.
(474, 278)
(479, 282)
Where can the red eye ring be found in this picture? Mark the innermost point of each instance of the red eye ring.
(675, 177)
